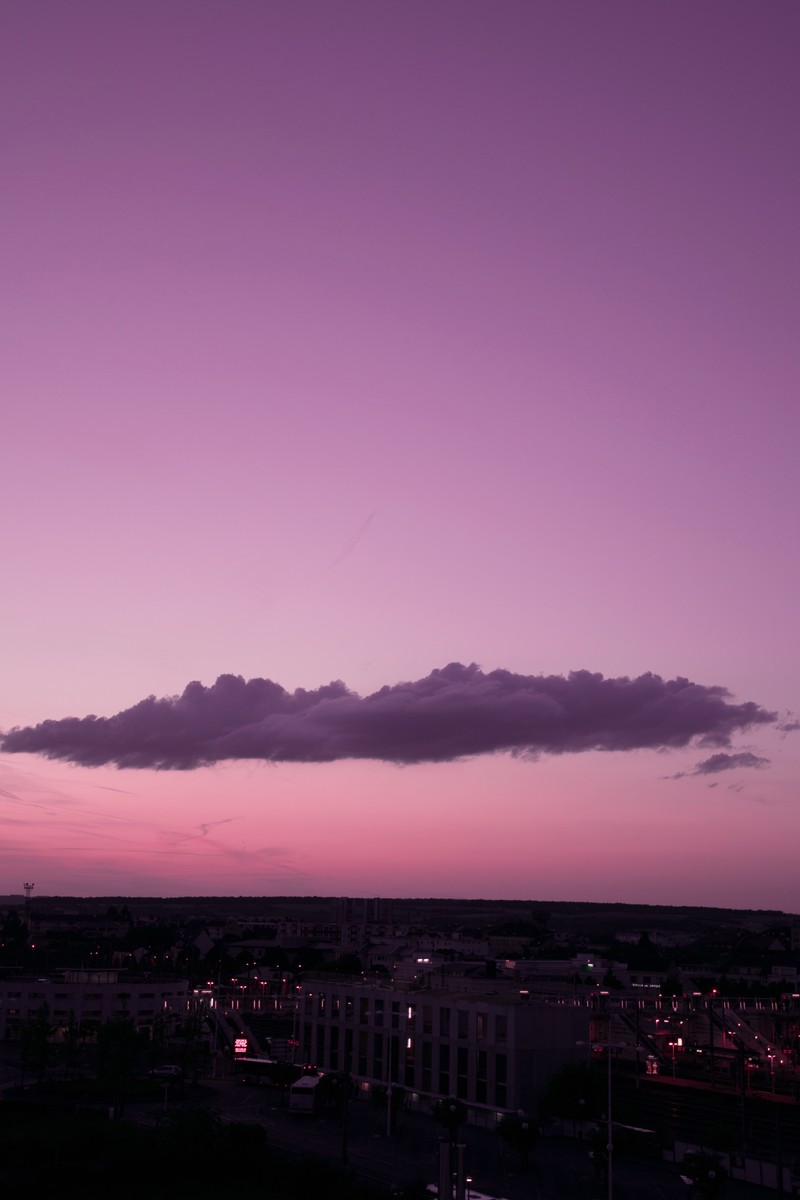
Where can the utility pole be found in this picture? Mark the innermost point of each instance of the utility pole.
(711, 1033)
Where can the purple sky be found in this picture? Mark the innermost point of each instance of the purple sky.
(346, 341)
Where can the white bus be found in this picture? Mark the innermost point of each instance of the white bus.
(303, 1094)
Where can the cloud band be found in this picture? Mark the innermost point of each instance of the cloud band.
(453, 713)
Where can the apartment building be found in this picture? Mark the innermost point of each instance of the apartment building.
(496, 1052)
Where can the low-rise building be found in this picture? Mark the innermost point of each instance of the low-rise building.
(88, 998)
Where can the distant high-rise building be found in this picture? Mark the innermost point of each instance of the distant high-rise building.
(362, 910)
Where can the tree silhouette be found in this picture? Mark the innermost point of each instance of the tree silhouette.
(706, 1172)
(520, 1132)
(451, 1113)
(36, 1051)
(575, 1092)
(117, 1045)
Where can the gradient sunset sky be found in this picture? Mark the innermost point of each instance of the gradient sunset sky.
(343, 340)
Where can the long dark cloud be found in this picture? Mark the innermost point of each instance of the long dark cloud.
(453, 713)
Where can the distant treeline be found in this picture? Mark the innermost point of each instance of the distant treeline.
(561, 915)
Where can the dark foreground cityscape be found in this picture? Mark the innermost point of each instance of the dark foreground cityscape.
(310, 1046)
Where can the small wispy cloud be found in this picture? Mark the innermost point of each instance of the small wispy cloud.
(723, 762)
(729, 762)
(206, 826)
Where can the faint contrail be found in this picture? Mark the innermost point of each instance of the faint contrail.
(352, 542)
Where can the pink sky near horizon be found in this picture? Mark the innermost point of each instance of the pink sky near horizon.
(345, 340)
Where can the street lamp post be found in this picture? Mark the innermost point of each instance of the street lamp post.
(608, 1047)
(610, 1145)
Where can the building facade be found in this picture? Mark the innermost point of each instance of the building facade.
(88, 999)
(495, 1052)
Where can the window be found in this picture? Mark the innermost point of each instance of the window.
(501, 1028)
(410, 1060)
(427, 1061)
(427, 1019)
(462, 1072)
(463, 1023)
(444, 1022)
(394, 1051)
(480, 1025)
(379, 1012)
(481, 1076)
(500, 1080)
(444, 1070)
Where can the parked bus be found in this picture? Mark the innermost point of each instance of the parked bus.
(255, 1070)
(304, 1094)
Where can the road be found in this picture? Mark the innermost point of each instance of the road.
(560, 1169)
